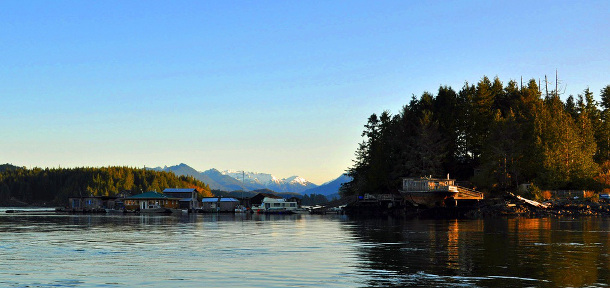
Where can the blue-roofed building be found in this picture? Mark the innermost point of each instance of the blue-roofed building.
(219, 204)
(188, 197)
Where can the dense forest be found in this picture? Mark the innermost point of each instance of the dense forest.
(54, 186)
(493, 135)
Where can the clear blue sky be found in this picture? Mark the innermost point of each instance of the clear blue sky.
(281, 87)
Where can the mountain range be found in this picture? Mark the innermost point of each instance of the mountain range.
(231, 180)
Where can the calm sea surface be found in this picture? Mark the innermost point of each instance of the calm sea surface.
(300, 251)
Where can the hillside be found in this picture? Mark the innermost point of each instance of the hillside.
(185, 170)
(329, 188)
(231, 180)
(254, 180)
(54, 186)
(6, 167)
(249, 194)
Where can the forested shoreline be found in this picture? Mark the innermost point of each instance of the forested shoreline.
(53, 186)
(493, 135)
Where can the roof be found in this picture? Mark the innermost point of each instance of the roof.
(215, 199)
(182, 190)
(150, 195)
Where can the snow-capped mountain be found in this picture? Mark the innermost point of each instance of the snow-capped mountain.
(290, 184)
(231, 180)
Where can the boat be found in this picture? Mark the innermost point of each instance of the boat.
(276, 206)
(428, 192)
(241, 209)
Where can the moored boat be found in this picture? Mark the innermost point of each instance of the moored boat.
(276, 206)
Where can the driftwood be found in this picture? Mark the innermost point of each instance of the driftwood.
(531, 202)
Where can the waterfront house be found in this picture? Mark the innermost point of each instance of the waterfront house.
(91, 203)
(188, 197)
(431, 192)
(219, 204)
(151, 200)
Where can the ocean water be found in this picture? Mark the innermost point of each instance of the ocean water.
(224, 250)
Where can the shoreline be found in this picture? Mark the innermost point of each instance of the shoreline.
(488, 208)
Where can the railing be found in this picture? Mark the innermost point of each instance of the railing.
(464, 192)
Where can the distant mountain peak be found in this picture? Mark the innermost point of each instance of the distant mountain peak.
(329, 188)
(269, 181)
(231, 180)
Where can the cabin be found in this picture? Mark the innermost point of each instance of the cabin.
(428, 184)
(219, 204)
(151, 200)
(188, 197)
(90, 203)
(431, 192)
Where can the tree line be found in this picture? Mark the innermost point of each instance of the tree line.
(53, 186)
(496, 136)
(314, 199)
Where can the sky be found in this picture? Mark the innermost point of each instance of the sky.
(280, 87)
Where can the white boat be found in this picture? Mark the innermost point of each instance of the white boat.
(276, 206)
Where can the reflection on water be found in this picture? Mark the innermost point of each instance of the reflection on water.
(244, 250)
(490, 253)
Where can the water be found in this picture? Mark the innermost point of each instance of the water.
(49, 250)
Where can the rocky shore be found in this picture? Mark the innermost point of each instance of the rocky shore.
(510, 206)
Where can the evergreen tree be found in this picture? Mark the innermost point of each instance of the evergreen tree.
(510, 135)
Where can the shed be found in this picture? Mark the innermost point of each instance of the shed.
(89, 203)
(219, 204)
